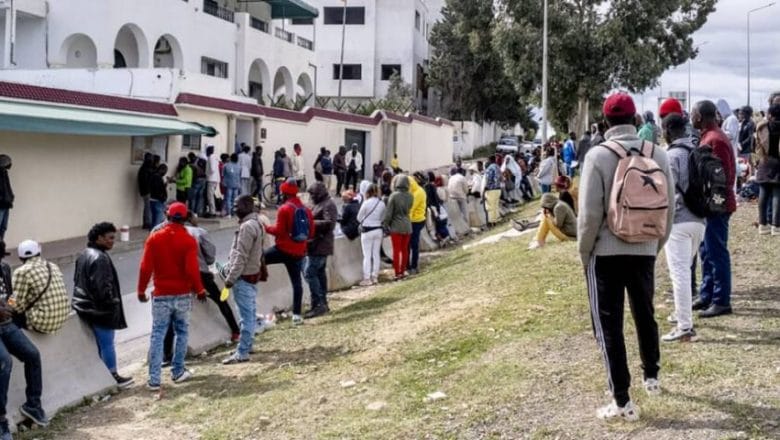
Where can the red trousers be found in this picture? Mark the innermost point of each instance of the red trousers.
(400, 252)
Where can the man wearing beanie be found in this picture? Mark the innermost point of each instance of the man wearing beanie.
(614, 266)
(171, 256)
(290, 249)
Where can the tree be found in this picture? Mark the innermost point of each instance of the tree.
(468, 70)
(399, 94)
(595, 46)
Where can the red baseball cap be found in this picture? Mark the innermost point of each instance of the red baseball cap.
(289, 187)
(670, 106)
(619, 104)
(177, 210)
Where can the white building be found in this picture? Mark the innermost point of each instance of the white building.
(381, 36)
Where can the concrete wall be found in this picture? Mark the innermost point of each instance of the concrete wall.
(470, 135)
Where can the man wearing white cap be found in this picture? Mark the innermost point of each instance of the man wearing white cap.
(40, 299)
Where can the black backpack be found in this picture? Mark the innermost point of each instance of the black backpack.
(707, 184)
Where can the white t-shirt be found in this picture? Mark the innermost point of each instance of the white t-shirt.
(212, 169)
(245, 162)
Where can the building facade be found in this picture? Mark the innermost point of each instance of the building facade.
(380, 37)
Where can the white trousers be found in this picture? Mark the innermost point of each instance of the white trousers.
(372, 246)
(683, 244)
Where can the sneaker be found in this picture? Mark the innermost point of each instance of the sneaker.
(317, 311)
(152, 387)
(652, 386)
(366, 283)
(35, 414)
(775, 231)
(698, 304)
(681, 336)
(534, 245)
(765, 229)
(234, 359)
(671, 319)
(235, 337)
(165, 364)
(375, 280)
(5, 431)
(629, 413)
(297, 320)
(183, 377)
(413, 271)
(123, 382)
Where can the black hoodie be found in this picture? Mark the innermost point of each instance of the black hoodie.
(325, 216)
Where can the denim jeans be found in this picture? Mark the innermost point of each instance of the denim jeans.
(147, 216)
(293, 266)
(4, 214)
(166, 310)
(716, 262)
(545, 188)
(13, 342)
(245, 295)
(231, 194)
(414, 245)
(106, 348)
(317, 278)
(158, 212)
(197, 192)
(769, 204)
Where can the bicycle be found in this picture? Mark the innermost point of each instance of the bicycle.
(269, 193)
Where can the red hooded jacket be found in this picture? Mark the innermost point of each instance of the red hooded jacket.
(171, 254)
(282, 230)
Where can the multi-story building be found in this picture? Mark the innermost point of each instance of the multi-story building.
(380, 37)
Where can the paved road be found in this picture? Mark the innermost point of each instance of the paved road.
(132, 342)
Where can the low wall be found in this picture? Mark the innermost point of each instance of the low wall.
(72, 370)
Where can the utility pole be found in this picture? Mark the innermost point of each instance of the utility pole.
(343, 35)
(544, 77)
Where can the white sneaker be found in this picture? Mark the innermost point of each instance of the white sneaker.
(764, 230)
(676, 335)
(297, 320)
(629, 413)
(534, 245)
(366, 283)
(652, 387)
(183, 377)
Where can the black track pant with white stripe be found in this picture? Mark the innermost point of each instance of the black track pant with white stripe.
(608, 278)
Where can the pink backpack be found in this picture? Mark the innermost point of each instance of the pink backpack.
(639, 202)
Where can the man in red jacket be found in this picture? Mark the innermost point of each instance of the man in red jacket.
(171, 255)
(715, 293)
(292, 233)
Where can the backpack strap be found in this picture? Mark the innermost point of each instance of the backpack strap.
(615, 147)
(648, 149)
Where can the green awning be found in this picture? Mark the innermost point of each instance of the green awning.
(54, 119)
(292, 9)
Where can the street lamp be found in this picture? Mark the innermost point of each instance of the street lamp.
(544, 77)
(689, 76)
(748, 45)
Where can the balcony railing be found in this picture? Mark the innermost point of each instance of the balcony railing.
(258, 24)
(214, 9)
(305, 43)
(284, 35)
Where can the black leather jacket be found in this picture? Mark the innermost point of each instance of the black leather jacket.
(96, 295)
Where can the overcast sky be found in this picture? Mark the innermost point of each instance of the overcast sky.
(720, 69)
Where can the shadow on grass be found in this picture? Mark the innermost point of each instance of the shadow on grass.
(743, 417)
(764, 293)
(363, 309)
(744, 337)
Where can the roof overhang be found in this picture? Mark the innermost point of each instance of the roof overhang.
(54, 119)
(291, 9)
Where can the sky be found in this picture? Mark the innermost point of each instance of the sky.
(720, 69)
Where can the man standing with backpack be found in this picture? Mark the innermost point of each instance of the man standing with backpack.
(687, 230)
(325, 216)
(619, 250)
(293, 229)
(715, 293)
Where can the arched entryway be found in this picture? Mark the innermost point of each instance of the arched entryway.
(130, 48)
(259, 82)
(79, 52)
(167, 53)
(283, 84)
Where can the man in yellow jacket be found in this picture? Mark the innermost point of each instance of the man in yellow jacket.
(417, 216)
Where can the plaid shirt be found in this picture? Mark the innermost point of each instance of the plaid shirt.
(49, 313)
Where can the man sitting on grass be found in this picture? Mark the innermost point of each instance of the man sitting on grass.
(558, 219)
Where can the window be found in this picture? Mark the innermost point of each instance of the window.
(417, 20)
(389, 69)
(351, 71)
(140, 145)
(303, 21)
(213, 67)
(190, 142)
(355, 15)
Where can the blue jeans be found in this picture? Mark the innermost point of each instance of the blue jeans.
(158, 211)
(106, 349)
(769, 204)
(716, 262)
(166, 310)
(13, 342)
(317, 278)
(414, 245)
(245, 295)
(230, 197)
(147, 217)
(4, 214)
(545, 188)
(197, 192)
